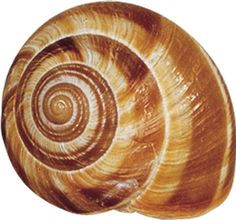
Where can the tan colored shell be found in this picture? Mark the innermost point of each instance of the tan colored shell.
(112, 106)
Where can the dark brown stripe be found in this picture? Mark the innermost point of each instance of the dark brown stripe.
(208, 130)
(25, 54)
(74, 130)
(143, 17)
(98, 195)
(103, 139)
(65, 46)
(110, 194)
(128, 63)
(62, 201)
(7, 108)
(147, 115)
(8, 96)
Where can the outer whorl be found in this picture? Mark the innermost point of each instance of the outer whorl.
(112, 106)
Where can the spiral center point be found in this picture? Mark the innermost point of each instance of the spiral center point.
(61, 109)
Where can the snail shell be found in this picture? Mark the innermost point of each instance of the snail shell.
(112, 106)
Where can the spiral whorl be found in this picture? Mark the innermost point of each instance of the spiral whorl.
(112, 106)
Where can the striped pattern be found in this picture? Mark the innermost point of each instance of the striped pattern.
(112, 106)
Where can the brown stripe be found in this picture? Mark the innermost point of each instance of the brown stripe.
(65, 46)
(146, 25)
(8, 108)
(111, 194)
(201, 175)
(83, 156)
(127, 62)
(16, 163)
(8, 96)
(71, 132)
(143, 17)
(24, 54)
(62, 201)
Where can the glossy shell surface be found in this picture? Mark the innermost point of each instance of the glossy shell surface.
(112, 106)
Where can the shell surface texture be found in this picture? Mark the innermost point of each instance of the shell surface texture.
(112, 106)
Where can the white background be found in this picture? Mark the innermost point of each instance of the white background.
(211, 22)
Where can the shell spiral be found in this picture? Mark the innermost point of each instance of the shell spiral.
(112, 106)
